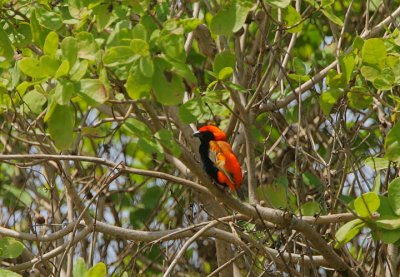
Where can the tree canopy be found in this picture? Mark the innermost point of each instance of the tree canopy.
(100, 174)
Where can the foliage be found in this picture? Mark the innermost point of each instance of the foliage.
(98, 101)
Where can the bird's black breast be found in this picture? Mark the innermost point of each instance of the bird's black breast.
(208, 165)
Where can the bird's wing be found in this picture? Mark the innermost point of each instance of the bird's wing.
(219, 155)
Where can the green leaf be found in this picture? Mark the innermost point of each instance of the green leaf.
(62, 70)
(299, 66)
(78, 71)
(24, 35)
(38, 34)
(138, 85)
(149, 146)
(168, 91)
(139, 32)
(376, 163)
(389, 236)
(119, 55)
(21, 195)
(190, 24)
(151, 197)
(7, 273)
(140, 47)
(310, 208)
(139, 215)
(6, 50)
(394, 195)
(136, 127)
(185, 114)
(279, 3)
(22, 87)
(370, 72)
(328, 99)
(310, 180)
(299, 78)
(392, 143)
(382, 84)
(385, 80)
(49, 65)
(327, 11)
(373, 51)
(313, 3)
(366, 204)
(146, 66)
(182, 70)
(94, 91)
(64, 92)
(326, 3)
(275, 194)
(32, 68)
(225, 73)
(336, 80)
(48, 19)
(222, 60)
(166, 138)
(51, 44)
(34, 101)
(377, 185)
(292, 19)
(10, 248)
(69, 49)
(347, 64)
(388, 224)
(385, 209)
(87, 46)
(359, 99)
(358, 43)
(98, 270)
(230, 20)
(172, 46)
(80, 268)
(61, 125)
(104, 17)
(348, 231)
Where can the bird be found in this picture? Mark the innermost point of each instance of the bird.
(218, 159)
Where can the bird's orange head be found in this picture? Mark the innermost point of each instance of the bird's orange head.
(210, 132)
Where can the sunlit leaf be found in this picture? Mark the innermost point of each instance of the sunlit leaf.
(377, 163)
(34, 101)
(373, 51)
(367, 204)
(32, 68)
(7, 273)
(80, 268)
(10, 248)
(98, 270)
(51, 44)
(348, 231)
(94, 91)
(230, 20)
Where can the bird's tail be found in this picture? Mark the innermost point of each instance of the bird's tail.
(240, 193)
(242, 190)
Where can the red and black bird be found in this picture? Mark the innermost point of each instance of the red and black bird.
(218, 159)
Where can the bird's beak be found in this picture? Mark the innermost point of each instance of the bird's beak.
(196, 134)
